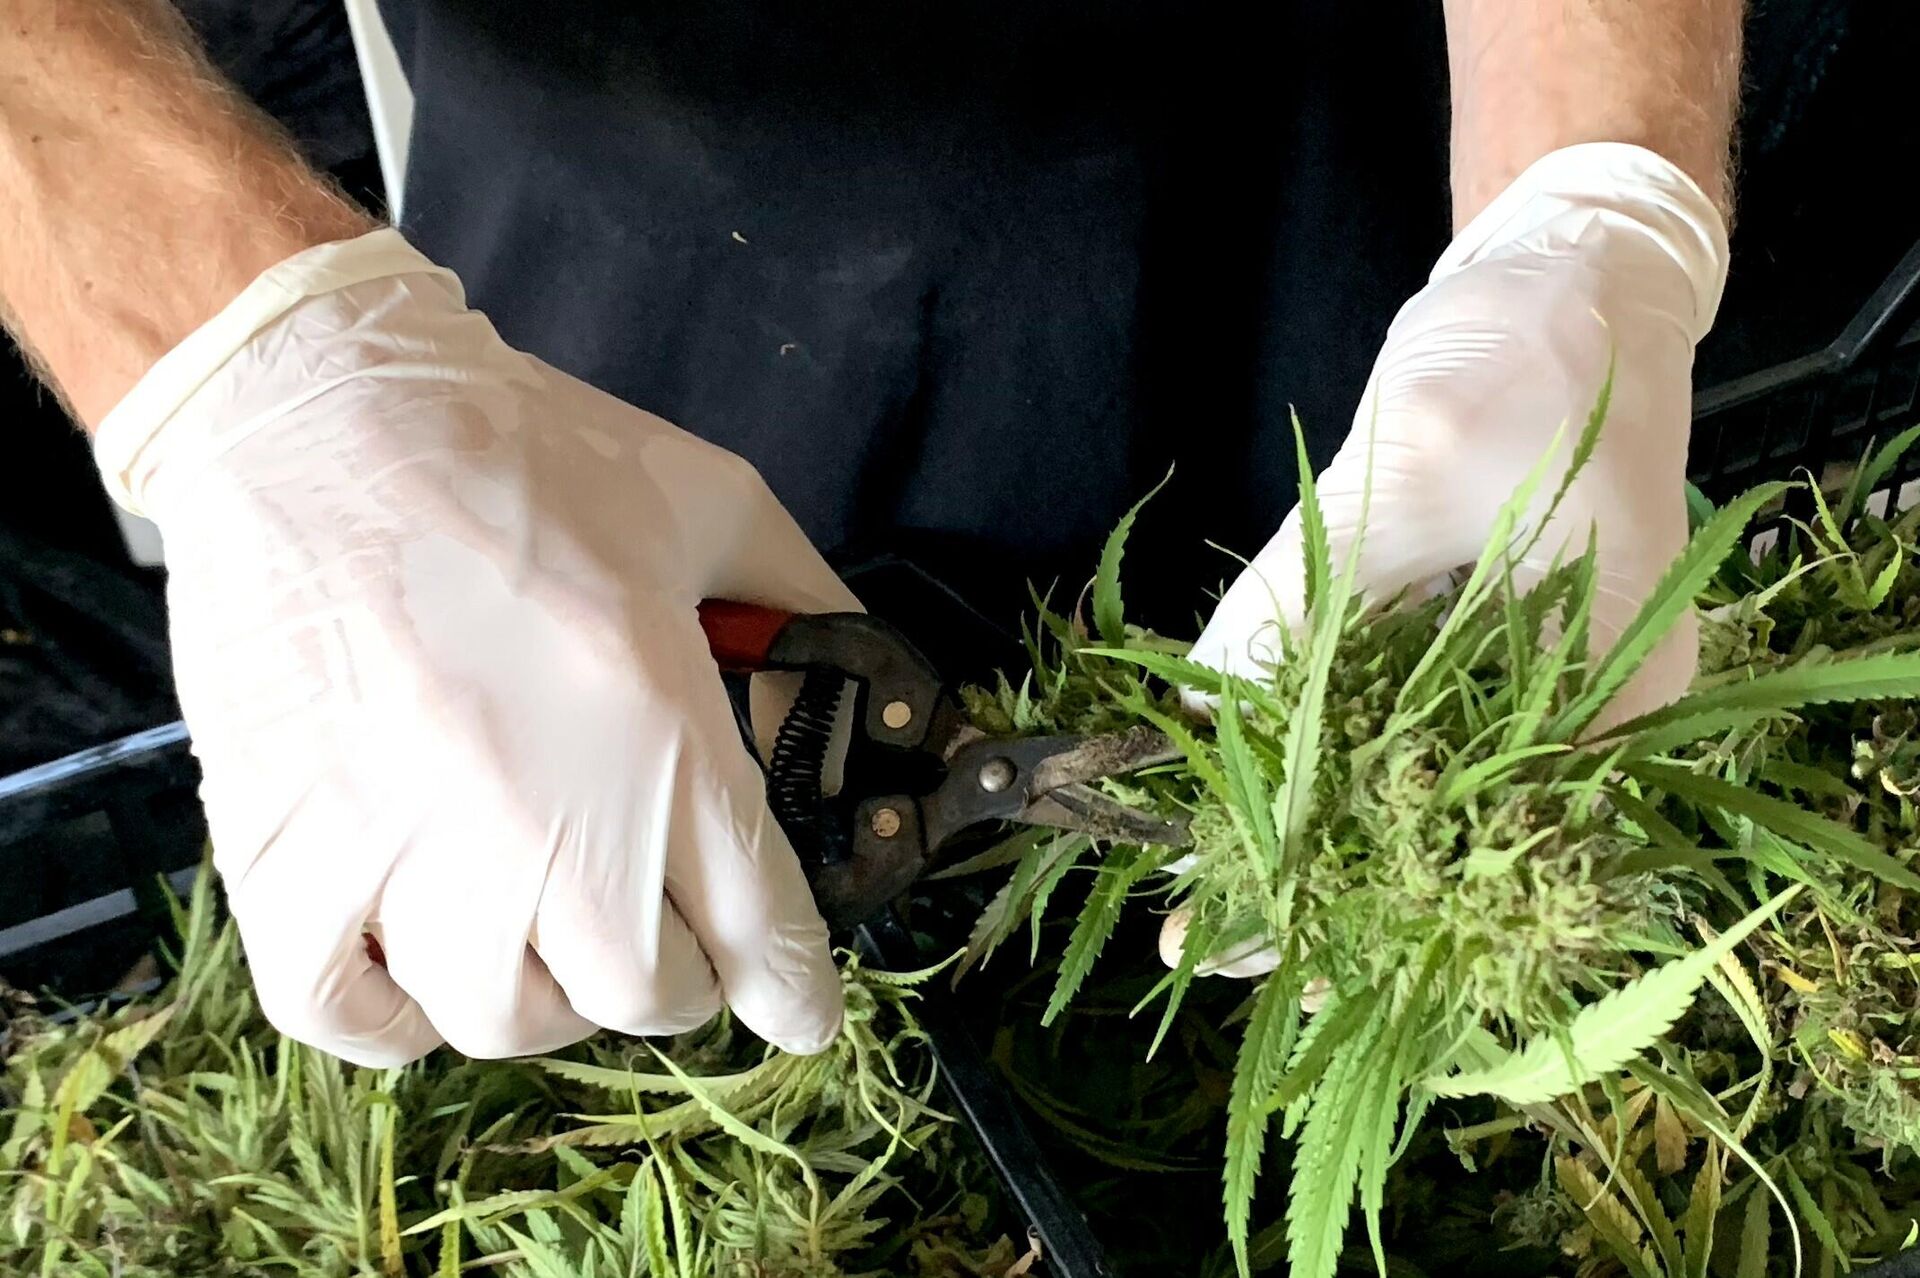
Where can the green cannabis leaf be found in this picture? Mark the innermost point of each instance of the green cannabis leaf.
(1108, 613)
(1603, 1036)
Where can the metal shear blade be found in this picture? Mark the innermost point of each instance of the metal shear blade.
(1044, 781)
(1061, 797)
(1082, 808)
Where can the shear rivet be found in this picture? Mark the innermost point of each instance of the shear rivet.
(896, 714)
(885, 823)
(996, 775)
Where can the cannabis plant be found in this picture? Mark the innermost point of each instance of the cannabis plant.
(183, 1136)
(1480, 901)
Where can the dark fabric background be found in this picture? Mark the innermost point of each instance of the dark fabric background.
(1827, 154)
(966, 280)
(963, 281)
(295, 59)
(1148, 268)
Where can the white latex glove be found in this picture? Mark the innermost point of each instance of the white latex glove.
(433, 615)
(1597, 253)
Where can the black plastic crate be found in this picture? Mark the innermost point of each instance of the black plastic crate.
(84, 843)
(1821, 410)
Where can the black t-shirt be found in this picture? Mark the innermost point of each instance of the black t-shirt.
(962, 279)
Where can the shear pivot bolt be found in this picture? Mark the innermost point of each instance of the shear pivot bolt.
(885, 823)
(896, 714)
(996, 775)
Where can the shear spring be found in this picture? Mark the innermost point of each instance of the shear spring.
(797, 767)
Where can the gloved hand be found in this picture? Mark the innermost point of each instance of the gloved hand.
(1597, 253)
(433, 615)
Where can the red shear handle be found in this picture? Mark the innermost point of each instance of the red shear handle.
(741, 635)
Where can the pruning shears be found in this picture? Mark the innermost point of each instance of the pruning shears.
(918, 772)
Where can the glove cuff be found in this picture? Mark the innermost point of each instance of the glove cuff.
(132, 440)
(1610, 189)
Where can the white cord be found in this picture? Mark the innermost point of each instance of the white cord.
(389, 99)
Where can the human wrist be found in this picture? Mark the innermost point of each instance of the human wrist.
(166, 413)
(1644, 225)
(1487, 160)
(139, 192)
(1530, 77)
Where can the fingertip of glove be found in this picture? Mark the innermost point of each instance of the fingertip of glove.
(1251, 958)
(1258, 963)
(814, 1041)
(791, 993)
(1243, 637)
(377, 1056)
(805, 1027)
(400, 1038)
(331, 996)
(1173, 935)
(1662, 680)
(1234, 658)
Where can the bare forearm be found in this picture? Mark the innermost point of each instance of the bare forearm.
(138, 193)
(1531, 76)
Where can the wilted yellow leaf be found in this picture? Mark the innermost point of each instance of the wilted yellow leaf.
(1669, 1138)
(1794, 979)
